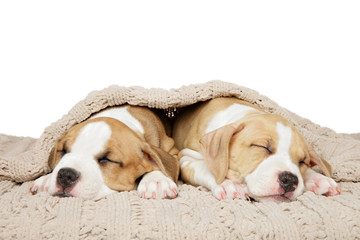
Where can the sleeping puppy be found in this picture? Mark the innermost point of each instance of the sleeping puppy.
(238, 151)
(109, 152)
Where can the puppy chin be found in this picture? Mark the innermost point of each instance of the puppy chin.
(272, 192)
(80, 190)
(277, 195)
(82, 195)
(88, 193)
(278, 198)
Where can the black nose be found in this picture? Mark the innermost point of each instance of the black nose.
(67, 177)
(288, 181)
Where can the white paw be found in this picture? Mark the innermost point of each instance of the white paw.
(155, 185)
(230, 190)
(41, 184)
(320, 184)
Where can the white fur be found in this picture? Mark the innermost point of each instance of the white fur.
(233, 113)
(320, 184)
(264, 180)
(88, 144)
(155, 185)
(203, 177)
(195, 160)
(122, 114)
(230, 190)
(202, 174)
(262, 183)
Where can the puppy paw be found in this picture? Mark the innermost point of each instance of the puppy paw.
(230, 190)
(155, 185)
(40, 185)
(320, 184)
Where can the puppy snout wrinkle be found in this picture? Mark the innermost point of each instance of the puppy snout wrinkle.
(67, 177)
(288, 181)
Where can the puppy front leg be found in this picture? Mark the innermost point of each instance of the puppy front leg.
(41, 184)
(155, 185)
(320, 184)
(195, 171)
(229, 189)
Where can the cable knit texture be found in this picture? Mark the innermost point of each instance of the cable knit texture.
(195, 213)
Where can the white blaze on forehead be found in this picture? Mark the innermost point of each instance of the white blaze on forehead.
(89, 143)
(92, 138)
(123, 116)
(285, 136)
(265, 177)
(230, 115)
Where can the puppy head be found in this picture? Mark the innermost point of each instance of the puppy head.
(101, 155)
(264, 151)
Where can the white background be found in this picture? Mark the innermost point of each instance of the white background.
(305, 55)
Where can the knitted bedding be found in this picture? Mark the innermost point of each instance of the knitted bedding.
(195, 213)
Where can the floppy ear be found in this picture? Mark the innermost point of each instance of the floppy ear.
(316, 160)
(215, 147)
(167, 163)
(51, 159)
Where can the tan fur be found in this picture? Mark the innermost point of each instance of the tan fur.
(137, 153)
(64, 143)
(187, 174)
(299, 151)
(215, 148)
(233, 151)
(155, 133)
(244, 155)
(192, 123)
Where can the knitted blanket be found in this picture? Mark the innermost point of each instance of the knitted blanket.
(195, 213)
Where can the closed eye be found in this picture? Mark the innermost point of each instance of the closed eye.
(302, 162)
(64, 150)
(103, 160)
(261, 146)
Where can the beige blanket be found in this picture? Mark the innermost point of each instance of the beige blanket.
(195, 213)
